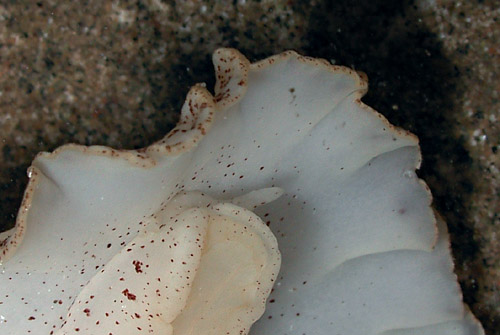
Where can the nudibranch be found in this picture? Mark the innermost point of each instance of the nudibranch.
(182, 237)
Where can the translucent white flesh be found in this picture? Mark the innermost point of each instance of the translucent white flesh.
(354, 224)
(204, 270)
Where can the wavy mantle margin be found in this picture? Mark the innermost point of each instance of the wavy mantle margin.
(197, 116)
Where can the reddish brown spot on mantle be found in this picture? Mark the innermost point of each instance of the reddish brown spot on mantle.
(137, 265)
(130, 296)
